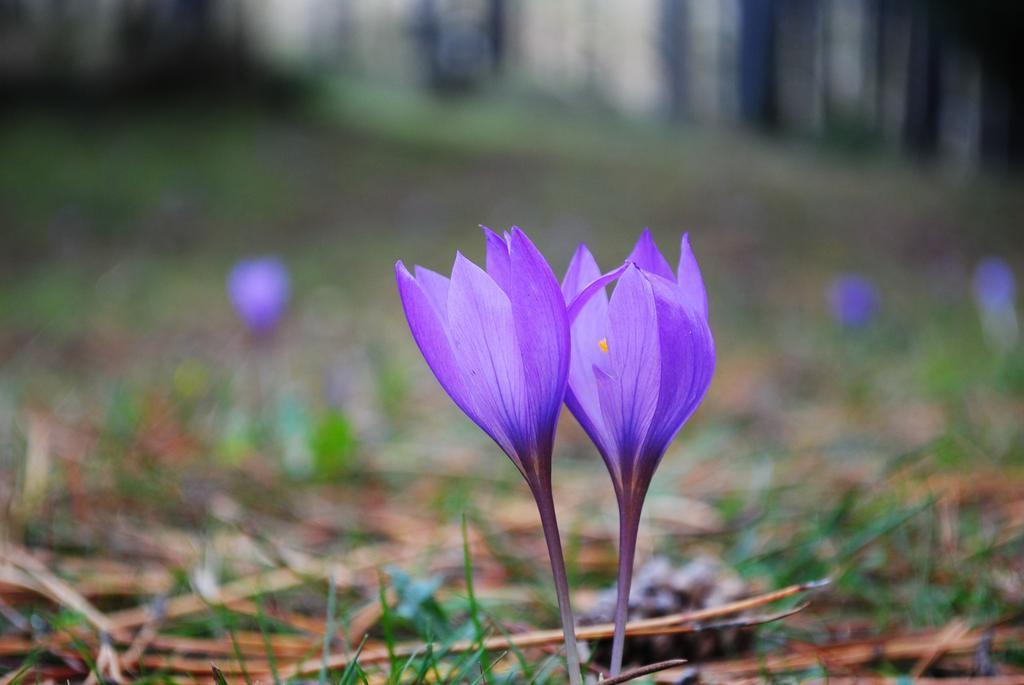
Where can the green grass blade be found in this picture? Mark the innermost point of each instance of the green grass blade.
(218, 676)
(386, 621)
(261, 619)
(352, 668)
(329, 632)
(467, 569)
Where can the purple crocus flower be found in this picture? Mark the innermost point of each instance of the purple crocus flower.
(259, 290)
(498, 342)
(995, 292)
(641, 364)
(994, 284)
(853, 300)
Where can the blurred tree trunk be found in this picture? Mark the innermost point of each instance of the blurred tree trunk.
(880, 14)
(799, 75)
(924, 82)
(991, 30)
(497, 31)
(1002, 124)
(673, 29)
(757, 81)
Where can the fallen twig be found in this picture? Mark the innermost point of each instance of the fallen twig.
(953, 631)
(56, 589)
(843, 655)
(635, 673)
(674, 623)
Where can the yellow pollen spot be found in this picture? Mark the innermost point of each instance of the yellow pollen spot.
(603, 344)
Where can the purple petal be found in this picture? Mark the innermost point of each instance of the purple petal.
(498, 264)
(542, 328)
(436, 288)
(592, 289)
(648, 257)
(613, 414)
(687, 358)
(853, 300)
(589, 329)
(994, 285)
(430, 333)
(582, 270)
(634, 361)
(690, 280)
(484, 342)
(259, 290)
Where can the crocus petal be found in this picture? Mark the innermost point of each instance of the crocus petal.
(436, 288)
(687, 358)
(542, 328)
(582, 270)
(484, 343)
(648, 257)
(690, 280)
(431, 335)
(498, 264)
(589, 329)
(259, 292)
(994, 285)
(592, 289)
(612, 413)
(635, 363)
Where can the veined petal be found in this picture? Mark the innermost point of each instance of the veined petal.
(542, 328)
(592, 289)
(431, 335)
(589, 329)
(690, 280)
(498, 264)
(648, 257)
(613, 414)
(484, 342)
(436, 288)
(635, 362)
(582, 270)
(687, 362)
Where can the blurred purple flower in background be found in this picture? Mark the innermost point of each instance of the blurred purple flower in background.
(853, 300)
(994, 284)
(641, 364)
(498, 342)
(995, 293)
(259, 290)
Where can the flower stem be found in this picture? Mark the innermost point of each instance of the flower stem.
(629, 526)
(546, 507)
